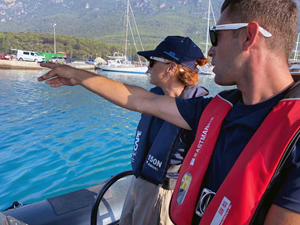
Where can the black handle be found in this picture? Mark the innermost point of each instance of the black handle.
(101, 193)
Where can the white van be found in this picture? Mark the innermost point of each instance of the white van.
(29, 56)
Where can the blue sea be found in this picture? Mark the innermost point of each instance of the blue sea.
(57, 140)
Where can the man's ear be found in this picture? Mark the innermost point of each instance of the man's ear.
(172, 67)
(252, 35)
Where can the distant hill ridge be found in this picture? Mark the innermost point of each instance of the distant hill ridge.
(102, 20)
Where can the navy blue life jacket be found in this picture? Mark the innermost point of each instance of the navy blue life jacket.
(153, 162)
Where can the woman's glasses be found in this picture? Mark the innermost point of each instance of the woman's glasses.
(233, 26)
(153, 59)
(151, 62)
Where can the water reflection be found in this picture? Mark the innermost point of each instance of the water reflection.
(57, 140)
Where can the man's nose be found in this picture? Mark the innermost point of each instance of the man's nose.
(211, 51)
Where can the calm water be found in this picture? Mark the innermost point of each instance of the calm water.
(53, 141)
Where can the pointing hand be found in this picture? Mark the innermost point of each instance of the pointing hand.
(60, 75)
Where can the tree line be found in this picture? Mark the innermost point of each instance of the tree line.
(73, 46)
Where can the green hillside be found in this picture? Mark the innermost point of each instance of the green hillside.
(74, 47)
(103, 20)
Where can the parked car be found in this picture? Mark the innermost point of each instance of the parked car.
(29, 56)
(91, 62)
(69, 60)
(56, 59)
(3, 56)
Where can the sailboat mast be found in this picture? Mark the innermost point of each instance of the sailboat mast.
(126, 34)
(207, 33)
(296, 50)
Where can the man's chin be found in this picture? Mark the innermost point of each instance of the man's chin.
(223, 82)
(216, 79)
(220, 81)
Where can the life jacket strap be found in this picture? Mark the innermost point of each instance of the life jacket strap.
(168, 184)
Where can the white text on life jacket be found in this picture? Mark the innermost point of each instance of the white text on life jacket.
(153, 162)
(136, 144)
(201, 141)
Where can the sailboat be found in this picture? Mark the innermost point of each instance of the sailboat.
(207, 69)
(119, 62)
(294, 64)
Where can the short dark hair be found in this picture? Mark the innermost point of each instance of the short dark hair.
(279, 17)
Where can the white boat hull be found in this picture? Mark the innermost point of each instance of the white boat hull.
(206, 70)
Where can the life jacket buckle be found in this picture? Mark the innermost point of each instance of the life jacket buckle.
(205, 198)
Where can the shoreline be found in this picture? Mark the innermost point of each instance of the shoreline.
(21, 65)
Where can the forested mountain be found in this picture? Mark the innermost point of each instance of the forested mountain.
(103, 20)
(73, 46)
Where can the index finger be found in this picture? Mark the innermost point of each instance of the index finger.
(48, 75)
(48, 65)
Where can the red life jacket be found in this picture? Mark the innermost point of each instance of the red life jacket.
(251, 173)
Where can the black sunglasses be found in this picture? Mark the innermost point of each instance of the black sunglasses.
(213, 37)
(151, 62)
(154, 59)
(233, 26)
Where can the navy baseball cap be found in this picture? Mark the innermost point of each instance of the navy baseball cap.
(181, 50)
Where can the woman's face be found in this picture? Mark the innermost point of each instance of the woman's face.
(159, 73)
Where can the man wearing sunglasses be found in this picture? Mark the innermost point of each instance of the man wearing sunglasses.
(235, 173)
(244, 166)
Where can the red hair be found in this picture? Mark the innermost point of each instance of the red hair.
(187, 76)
